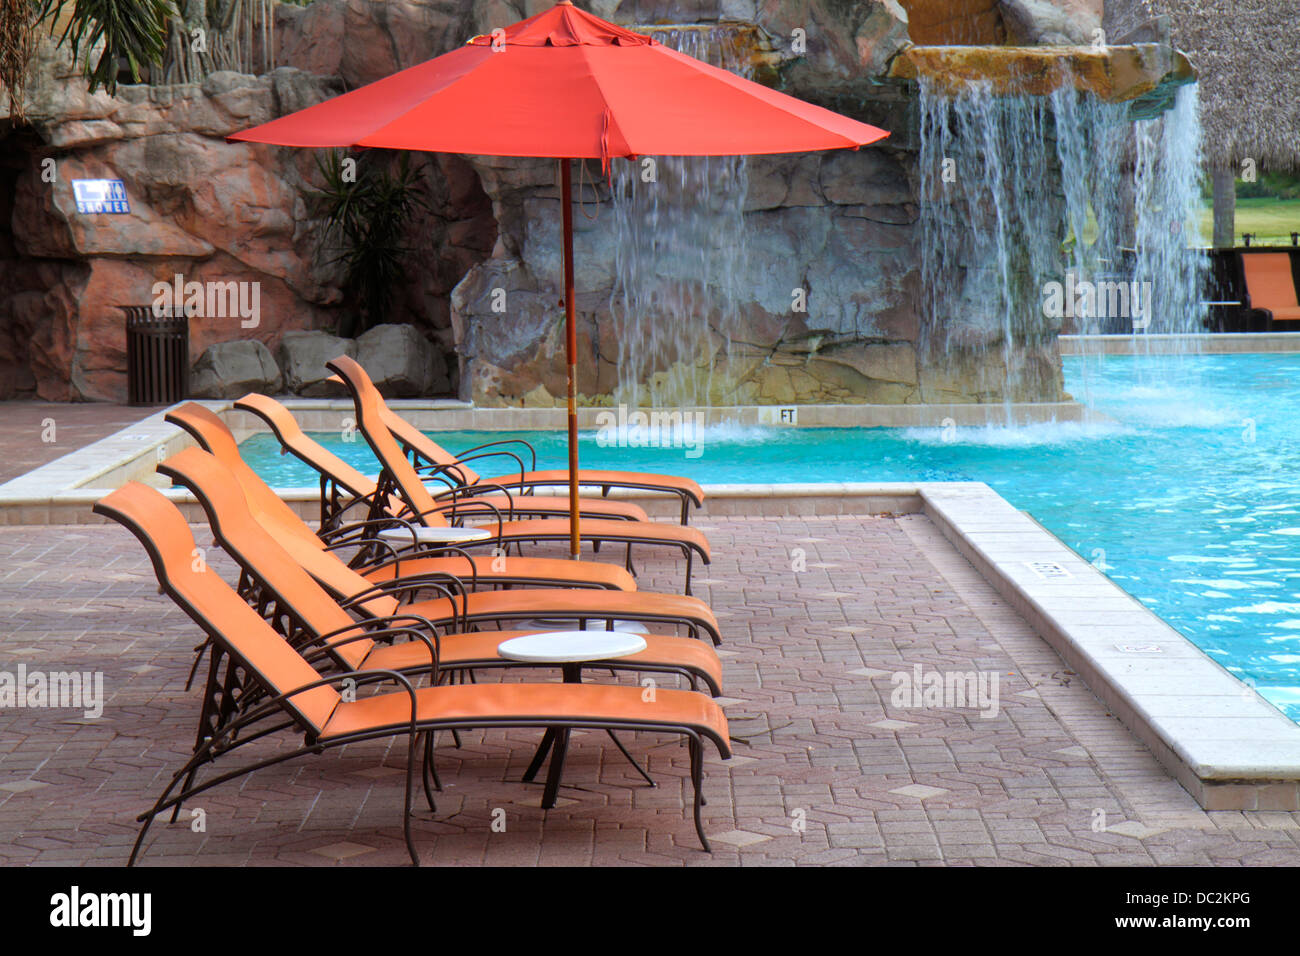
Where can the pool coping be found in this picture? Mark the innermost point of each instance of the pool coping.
(1228, 746)
(1171, 343)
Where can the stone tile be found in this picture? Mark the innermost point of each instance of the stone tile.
(943, 787)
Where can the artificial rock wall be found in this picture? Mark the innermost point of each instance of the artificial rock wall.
(843, 227)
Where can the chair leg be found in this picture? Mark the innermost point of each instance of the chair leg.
(630, 759)
(548, 739)
(189, 779)
(429, 772)
(410, 786)
(697, 779)
(556, 770)
(198, 659)
(191, 767)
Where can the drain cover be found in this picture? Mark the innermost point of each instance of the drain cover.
(1047, 569)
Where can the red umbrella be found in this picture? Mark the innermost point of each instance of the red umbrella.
(569, 85)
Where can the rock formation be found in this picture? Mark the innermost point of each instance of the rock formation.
(840, 227)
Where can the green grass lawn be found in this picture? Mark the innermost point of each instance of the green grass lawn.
(1272, 221)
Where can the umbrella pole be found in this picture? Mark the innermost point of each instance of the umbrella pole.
(571, 349)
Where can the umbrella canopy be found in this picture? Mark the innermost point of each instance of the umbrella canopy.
(569, 85)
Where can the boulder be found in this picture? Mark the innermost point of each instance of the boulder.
(233, 369)
(303, 356)
(882, 34)
(1074, 22)
(402, 362)
(942, 22)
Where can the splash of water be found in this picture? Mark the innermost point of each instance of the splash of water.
(680, 255)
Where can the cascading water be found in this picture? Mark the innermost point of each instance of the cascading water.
(1168, 195)
(1050, 212)
(679, 251)
(989, 236)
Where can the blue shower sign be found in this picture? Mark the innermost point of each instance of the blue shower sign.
(100, 195)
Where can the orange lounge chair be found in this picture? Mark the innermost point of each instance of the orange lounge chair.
(1270, 285)
(288, 590)
(295, 697)
(212, 434)
(343, 485)
(399, 480)
(381, 599)
(433, 459)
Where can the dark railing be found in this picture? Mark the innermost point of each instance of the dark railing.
(157, 356)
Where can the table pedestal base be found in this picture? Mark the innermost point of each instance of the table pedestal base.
(556, 742)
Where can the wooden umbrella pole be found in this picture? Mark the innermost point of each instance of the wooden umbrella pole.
(571, 336)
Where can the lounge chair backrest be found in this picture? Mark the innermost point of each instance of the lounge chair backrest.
(257, 551)
(370, 421)
(216, 438)
(1269, 280)
(286, 429)
(427, 448)
(273, 514)
(213, 604)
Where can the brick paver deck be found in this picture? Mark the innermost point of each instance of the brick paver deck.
(829, 770)
(29, 441)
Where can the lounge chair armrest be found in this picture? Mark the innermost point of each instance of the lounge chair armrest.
(435, 468)
(401, 586)
(370, 622)
(431, 551)
(477, 490)
(378, 543)
(503, 441)
(272, 704)
(494, 454)
(432, 643)
(368, 523)
(442, 479)
(452, 508)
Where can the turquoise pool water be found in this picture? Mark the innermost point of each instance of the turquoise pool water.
(1189, 498)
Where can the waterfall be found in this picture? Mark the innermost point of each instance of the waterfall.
(1168, 196)
(1024, 198)
(680, 253)
(989, 221)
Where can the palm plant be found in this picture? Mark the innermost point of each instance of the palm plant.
(133, 32)
(184, 44)
(366, 218)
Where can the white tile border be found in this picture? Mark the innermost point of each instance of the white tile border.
(1209, 343)
(1225, 743)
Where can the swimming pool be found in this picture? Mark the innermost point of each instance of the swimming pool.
(1189, 498)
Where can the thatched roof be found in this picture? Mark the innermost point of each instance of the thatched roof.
(1245, 54)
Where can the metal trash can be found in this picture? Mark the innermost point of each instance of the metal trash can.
(157, 356)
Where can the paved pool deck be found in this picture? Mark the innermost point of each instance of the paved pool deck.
(817, 613)
(29, 441)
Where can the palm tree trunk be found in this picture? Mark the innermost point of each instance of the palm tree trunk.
(1225, 206)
